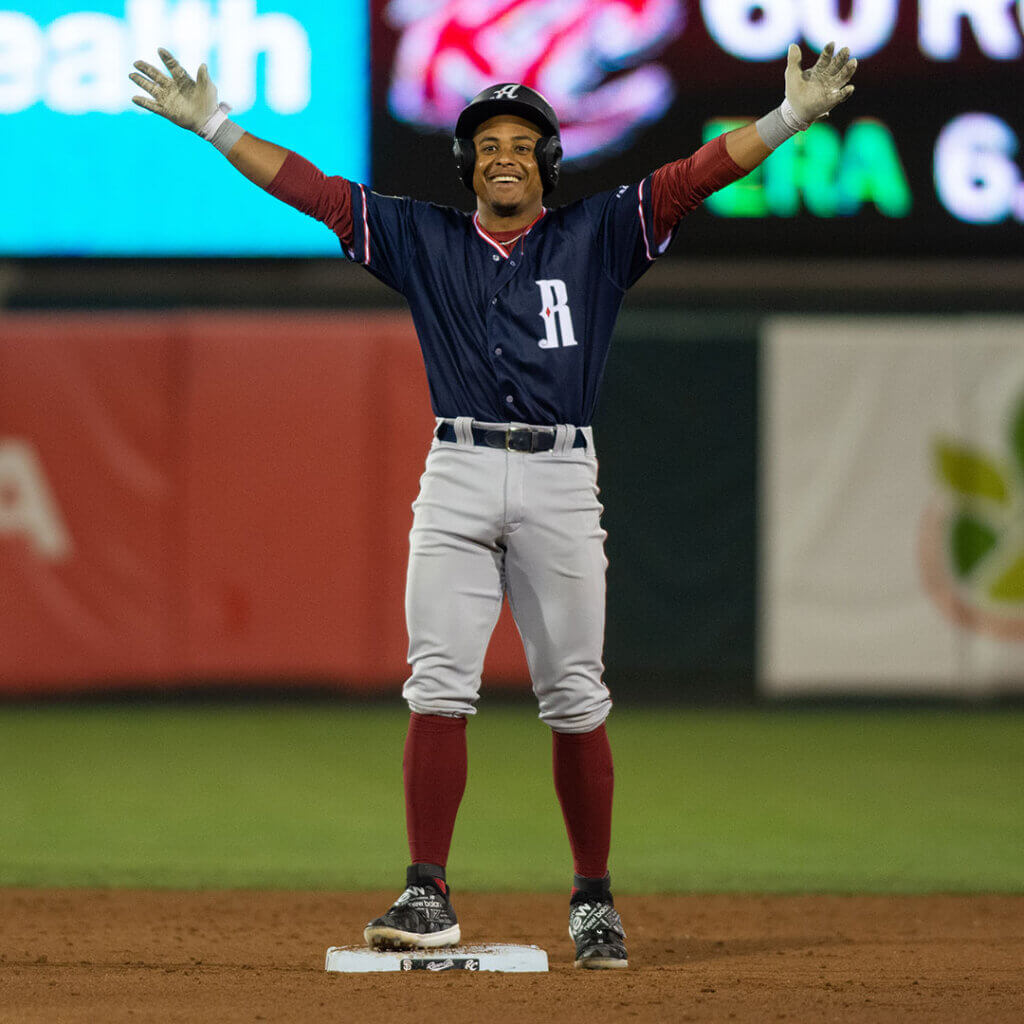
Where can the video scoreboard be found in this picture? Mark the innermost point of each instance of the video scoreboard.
(924, 160)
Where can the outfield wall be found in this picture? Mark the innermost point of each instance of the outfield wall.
(801, 505)
(196, 497)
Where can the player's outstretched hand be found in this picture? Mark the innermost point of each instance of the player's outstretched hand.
(814, 92)
(187, 103)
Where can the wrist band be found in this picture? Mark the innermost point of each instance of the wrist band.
(789, 115)
(779, 124)
(221, 131)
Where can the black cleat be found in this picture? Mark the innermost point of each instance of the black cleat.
(421, 918)
(596, 928)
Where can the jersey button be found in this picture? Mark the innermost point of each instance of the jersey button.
(509, 399)
(495, 257)
(497, 351)
(494, 302)
(511, 263)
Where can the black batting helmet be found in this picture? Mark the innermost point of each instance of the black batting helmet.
(524, 102)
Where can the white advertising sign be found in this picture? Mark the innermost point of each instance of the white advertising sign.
(892, 498)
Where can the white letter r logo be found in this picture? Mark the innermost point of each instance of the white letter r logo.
(554, 311)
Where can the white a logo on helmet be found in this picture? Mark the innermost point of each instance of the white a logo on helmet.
(506, 92)
(554, 311)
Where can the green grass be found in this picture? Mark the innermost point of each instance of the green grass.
(309, 795)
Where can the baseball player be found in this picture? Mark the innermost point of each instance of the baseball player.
(514, 307)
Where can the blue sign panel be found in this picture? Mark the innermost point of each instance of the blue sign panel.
(87, 173)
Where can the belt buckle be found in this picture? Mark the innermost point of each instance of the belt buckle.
(518, 430)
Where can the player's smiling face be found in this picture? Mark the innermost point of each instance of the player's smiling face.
(506, 178)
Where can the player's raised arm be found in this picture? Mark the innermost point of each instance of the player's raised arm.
(192, 104)
(681, 186)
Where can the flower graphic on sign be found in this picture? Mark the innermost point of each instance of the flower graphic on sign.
(972, 542)
(592, 59)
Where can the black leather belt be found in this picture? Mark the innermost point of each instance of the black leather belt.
(512, 439)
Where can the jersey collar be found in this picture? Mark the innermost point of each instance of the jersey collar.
(493, 242)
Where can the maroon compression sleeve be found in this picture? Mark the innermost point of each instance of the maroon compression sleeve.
(584, 781)
(434, 767)
(681, 186)
(304, 186)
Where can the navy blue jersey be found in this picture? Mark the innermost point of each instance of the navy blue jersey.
(520, 336)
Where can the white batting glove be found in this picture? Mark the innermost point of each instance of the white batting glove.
(810, 94)
(189, 104)
(813, 93)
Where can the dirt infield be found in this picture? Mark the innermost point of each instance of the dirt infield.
(119, 955)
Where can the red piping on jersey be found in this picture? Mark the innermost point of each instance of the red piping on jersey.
(487, 238)
(643, 221)
(366, 229)
(482, 232)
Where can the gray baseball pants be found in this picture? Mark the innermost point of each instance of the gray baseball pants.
(489, 522)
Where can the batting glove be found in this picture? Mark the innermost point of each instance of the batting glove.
(813, 93)
(810, 94)
(189, 104)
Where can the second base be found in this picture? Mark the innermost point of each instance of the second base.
(497, 957)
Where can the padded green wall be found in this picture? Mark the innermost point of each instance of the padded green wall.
(676, 438)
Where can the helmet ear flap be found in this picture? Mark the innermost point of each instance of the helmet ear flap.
(465, 159)
(548, 152)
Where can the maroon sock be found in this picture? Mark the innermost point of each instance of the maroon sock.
(434, 767)
(584, 780)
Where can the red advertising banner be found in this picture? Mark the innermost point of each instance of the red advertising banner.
(87, 464)
(198, 498)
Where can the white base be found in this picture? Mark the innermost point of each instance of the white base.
(360, 960)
